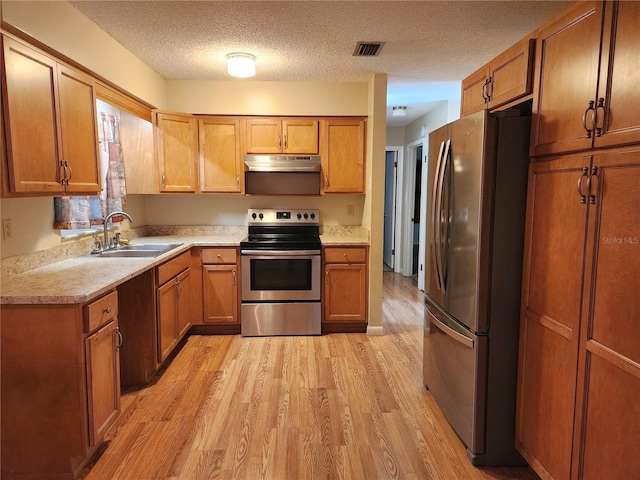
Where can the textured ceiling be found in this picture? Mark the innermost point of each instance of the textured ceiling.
(429, 45)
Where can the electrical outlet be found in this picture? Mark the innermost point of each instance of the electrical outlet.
(350, 210)
(7, 229)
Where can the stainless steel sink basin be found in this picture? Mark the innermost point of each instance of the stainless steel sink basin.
(138, 251)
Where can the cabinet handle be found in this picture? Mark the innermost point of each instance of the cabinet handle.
(326, 181)
(583, 197)
(326, 276)
(279, 141)
(237, 180)
(285, 142)
(234, 277)
(594, 173)
(62, 172)
(164, 183)
(107, 310)
(490, 89)
(120, 339)
(584, 118)
(599, 118)
(68, 167)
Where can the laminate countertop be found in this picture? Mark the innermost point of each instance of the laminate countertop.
(84, 278)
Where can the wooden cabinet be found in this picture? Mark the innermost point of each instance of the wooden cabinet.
(345, 288)
(176, 148)
(50, 123)
(586, 89)
(221, 158)
(578, 367)
(220, 285)
(277, 135)
(506, 78)
(173, 303)
(343, 155)
(60, 385)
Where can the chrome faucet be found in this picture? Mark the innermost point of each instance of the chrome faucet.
(105, 244)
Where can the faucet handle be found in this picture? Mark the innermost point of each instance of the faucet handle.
(98, 246)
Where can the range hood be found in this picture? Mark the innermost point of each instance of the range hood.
(282, 174)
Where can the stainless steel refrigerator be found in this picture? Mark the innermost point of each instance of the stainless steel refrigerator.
(476, 211)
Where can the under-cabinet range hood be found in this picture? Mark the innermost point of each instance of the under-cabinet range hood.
(282, 174)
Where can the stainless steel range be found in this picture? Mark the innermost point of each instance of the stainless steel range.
(280, 263)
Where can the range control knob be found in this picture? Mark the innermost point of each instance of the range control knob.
(261, 216)
(306, 216)
(253, 215)
(299, 216)
(313, 215)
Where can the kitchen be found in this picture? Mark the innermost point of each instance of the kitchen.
(368, 97)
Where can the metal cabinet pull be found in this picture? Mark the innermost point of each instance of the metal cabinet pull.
(583, 197)
(326, 181)
(68, 167)
(62, 172)
(594, 173)
(584, 118)
(107, 310)
(120, 339)
(285, 142)
(279, 141)
(599, 117)
(164, 183)
(234, 277)
(237, 180)
(326, 276)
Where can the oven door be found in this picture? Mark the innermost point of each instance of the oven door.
(280, 276)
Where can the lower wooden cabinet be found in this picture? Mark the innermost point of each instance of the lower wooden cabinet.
(220, 285)
(60, 385)
(345, 289)
(579, 377)
(173, 303)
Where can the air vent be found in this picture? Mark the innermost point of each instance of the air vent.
(368, 49)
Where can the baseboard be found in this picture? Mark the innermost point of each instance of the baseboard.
(375, 330)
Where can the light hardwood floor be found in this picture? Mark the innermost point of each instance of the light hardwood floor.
(339, 406)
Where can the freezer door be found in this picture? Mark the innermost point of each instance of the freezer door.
(455, 372)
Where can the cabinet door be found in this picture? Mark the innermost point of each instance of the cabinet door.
(611, 340)
(79, 132)
(567, 54)
(551, 307)
(183, 303)
(166, 318)
(220, 289)
(103, 380)
(474, 92)
(619, 86)
(343, 156)
(221, 167)
(31, 120)
(300, 136)
(264, 135)
(510, 74)
(345, 293)
(176, 151)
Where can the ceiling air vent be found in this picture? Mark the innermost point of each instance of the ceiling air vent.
(368, 49)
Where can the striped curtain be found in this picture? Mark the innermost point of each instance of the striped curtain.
(81, 212)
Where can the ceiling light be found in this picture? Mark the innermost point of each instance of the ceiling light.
(399, 111)
(241, 65)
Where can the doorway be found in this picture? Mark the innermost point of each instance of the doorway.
(390, 189)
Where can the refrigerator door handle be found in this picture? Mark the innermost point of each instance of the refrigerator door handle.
(435, 217)
(457, 336)
(441, 260)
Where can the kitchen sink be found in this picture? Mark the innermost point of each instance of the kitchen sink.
(138, 251)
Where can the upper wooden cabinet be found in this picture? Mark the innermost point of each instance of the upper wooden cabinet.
(586, 90)
(176, 140)
(505, 78)
(50, 124)
(343, 155)
(277, 135)
(220, 153)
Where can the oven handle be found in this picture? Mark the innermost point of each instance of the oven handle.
(290, 253)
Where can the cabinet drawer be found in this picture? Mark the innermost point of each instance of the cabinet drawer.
(101, 312)
(170, 269)
(219, 256)
(345, 255)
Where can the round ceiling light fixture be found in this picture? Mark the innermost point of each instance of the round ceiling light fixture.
(399, 111)
(241, 65)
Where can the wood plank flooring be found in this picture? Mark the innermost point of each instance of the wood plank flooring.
(339, 406)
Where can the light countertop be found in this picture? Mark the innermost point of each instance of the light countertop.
(81, 279)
